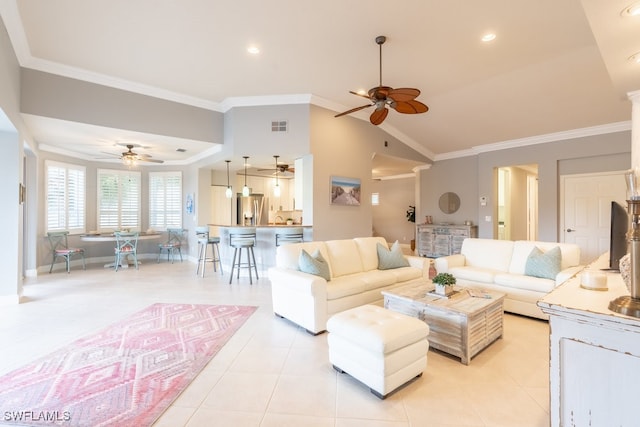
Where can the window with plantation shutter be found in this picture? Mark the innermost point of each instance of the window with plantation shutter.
(65, 197)
(118, 200)
(165, 200)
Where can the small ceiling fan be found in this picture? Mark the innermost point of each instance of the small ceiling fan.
(130, 157)
(282, 168)
(403, 100)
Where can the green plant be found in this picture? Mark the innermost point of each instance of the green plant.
(445, 279)
(411, 214)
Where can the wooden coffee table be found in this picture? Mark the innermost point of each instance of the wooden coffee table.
(461, 325)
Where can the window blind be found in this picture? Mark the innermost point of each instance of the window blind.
(118, 200)
(65, 197)
(165, 200)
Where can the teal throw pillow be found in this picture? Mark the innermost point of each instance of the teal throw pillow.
(314, 264)
(545, 265)
(389, 259)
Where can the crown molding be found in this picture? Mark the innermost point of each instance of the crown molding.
(539, 139)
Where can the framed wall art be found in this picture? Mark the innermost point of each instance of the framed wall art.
(345, 191)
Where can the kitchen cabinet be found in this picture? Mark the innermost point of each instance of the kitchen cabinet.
(441, 240)
(221, 207)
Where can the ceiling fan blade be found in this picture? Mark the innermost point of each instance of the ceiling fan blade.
(146, 159)
(378, 116)
(359, 94)
(410, 107)
(353, 110)
(403, 94)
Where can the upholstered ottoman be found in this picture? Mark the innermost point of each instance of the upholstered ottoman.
(378, 347)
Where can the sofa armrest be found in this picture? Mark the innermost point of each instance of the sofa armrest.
(298, 281)
(443, 264)
(419, 262)
(567, 274)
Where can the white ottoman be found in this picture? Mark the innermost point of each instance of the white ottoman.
(378, 347)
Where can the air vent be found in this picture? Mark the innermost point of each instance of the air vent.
(279, 126)
(181, 150)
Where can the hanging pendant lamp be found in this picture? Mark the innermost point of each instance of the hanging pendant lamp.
(245, 189)
(276, 189)
(229, 191)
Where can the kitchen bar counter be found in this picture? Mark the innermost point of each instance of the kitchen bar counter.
(265, 249)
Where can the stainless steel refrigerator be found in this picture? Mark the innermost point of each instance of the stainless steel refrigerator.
(252, 210)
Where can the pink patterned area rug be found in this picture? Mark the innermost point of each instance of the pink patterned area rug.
(125, 375)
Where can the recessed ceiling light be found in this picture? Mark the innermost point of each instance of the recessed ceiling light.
(632, 10)
(488, 37)
(635, 58)
(361, 92)
(254, 50)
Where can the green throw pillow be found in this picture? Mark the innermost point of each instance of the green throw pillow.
(388, 259)
(314, 264)
(545, 265)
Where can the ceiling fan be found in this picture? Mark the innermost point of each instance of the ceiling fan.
(282, 168)
(130, 157)
(403, 100)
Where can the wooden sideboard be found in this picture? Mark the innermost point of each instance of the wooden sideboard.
(436, 240)
(595, 355)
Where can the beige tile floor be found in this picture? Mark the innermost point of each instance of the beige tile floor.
(272, 373)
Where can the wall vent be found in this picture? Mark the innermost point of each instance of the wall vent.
(279, 126)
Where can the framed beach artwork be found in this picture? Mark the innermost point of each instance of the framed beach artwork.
(345, 191)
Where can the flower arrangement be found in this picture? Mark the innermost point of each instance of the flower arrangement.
(444, 279)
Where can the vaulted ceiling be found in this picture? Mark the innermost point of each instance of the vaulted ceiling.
(554, 66)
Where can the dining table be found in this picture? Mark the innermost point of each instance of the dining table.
(111, 237)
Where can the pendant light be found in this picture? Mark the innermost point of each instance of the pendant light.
(276, 189)
(245, 189)
(229, 191)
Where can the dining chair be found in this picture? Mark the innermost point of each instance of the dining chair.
(126, 244)
(60, 249)
(175, 240)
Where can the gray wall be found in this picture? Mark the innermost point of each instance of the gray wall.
(58, 97)
(344, 147)
(473, 177)
(389, 217)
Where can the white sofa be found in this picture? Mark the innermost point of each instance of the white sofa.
(309, 300)
(500, 265)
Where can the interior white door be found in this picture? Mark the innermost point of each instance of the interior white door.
(586, 210)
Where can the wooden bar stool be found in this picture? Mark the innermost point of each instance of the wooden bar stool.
(243, 238)
(204, 240)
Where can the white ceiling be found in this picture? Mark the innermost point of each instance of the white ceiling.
(555, 66)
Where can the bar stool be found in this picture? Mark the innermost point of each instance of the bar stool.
(204, 240)
(243, 238)
(289, 235)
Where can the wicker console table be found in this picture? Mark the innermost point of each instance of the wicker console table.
(461, 325)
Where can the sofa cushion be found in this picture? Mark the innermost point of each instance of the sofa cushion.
(378, 278)
(519, 281)
(368, 251)
(405, 274)
(390, 258)
(545, 265)
(344, 257)
(487, 254)
(343, 286)
(314, 264)
(476, 274)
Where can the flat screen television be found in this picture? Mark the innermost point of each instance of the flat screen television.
(618, 237)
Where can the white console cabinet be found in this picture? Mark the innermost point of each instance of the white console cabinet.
(434, 240)
(595, 355)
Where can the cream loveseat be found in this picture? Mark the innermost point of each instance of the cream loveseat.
(309, 300)
(501, 264)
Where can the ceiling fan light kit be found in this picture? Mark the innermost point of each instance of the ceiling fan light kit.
(130, 158)
(403, 100)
